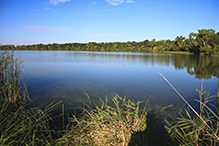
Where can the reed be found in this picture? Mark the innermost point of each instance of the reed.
(107, 124)
(10, 77)
(193, 128)
(19, 123)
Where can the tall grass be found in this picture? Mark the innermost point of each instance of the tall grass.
(10, 73)
(107, 124)
(20, 124)
(191, 127)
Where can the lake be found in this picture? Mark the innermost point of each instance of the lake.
(66, 75)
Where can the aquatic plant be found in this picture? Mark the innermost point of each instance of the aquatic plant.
(20, 124)
(10, 73)
(191, 127)
(107, 124)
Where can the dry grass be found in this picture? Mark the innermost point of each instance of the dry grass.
(106, 125)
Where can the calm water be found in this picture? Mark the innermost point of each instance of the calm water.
(65, 75)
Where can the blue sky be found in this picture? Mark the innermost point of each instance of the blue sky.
(25, 22)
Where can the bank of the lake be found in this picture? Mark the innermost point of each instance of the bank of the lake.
(124, 122)
(178, 52)
(206, 41)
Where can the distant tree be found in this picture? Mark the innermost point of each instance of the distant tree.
(201, 40)
(179, 42)
(205, 41)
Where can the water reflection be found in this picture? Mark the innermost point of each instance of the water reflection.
(200, 66)
(64, 75)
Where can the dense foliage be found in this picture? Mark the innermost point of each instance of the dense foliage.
(205, 41)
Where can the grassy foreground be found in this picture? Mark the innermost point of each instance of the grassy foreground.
(124, 122)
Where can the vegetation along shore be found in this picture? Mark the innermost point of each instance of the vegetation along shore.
(205, 41)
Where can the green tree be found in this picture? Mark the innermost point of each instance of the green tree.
(201, 40)
(179, 42)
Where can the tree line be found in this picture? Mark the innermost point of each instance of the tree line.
(205, 41)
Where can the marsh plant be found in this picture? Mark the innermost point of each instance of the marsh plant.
(192, 127)
(10, 73)
(20, 124)
(106, 124)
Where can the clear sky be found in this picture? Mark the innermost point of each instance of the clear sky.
(25, 22)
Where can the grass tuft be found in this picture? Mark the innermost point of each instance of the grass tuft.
(194, 128)
(105, 124)
(19, 123)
